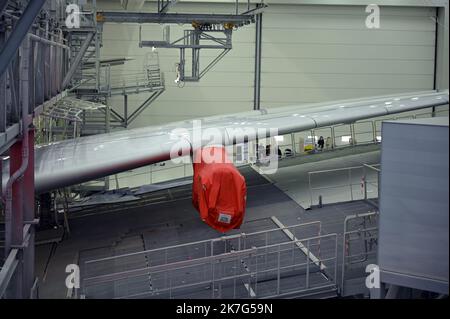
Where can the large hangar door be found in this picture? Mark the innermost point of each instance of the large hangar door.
(320, 53)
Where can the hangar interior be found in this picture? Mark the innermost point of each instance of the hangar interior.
(374, 193)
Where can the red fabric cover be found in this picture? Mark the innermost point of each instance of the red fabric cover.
(219, 191)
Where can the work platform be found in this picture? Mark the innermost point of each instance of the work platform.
(163, 250)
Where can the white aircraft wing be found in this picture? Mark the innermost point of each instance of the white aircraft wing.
(79, 160)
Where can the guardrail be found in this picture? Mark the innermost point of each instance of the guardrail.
(15, 259)
(364, 182)
(236, 266)
(365, 231)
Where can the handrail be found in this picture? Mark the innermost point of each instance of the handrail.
(241, 235)
(213, 271)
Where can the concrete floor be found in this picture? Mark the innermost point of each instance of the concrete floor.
(293, 180)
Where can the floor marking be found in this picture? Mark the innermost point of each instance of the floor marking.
(302, 247)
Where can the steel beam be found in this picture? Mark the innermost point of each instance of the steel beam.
(3, 111)
(178, 18)
(7, 271)
(36, 38)
(19, 33)
(29, 220)
(76, 63)
(143, 106)
(14, 227)
(165, 5)
(257, 81)
(3, 4)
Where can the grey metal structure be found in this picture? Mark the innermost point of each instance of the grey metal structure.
(18, 34)
(258, 56)
(208, 33)
(177, 18)
(414, 198)
(34, 60)
(51, 57)
(165, 5)
(265, 264)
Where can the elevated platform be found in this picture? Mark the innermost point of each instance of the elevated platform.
(143, 229)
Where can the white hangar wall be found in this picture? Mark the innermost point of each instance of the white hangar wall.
(310, 53)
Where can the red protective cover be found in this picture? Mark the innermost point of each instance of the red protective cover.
(218, 189)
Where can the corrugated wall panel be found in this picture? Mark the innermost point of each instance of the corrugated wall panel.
(309, 54)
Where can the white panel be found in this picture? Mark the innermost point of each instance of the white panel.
(310, 54)
(318, 53)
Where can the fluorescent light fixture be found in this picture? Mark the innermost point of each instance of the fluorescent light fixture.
(346, 138)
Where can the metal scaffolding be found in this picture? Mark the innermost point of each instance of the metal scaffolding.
(33, 61)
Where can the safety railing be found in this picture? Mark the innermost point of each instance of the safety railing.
(257, 265)
(345, 191)
(345, 135)
(359, 246)
(374, 184)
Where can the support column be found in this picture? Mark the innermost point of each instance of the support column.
(125, 109)
(441, 51)
(29, 218)
(14, 226)
(257, 81)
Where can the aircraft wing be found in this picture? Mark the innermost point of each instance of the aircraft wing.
(79, 160)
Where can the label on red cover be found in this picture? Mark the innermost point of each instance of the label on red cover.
(224, 218)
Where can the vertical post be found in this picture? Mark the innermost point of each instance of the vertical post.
(435, 72)
(125, 109)
(294, 151)
(257, 80)
(352, 134)
(307, 264)
(278, 270)
(365, 182)
(310, 189)
(344, 250)
(374, 131)
(14, 226)
(333, 142)
(378, 185)
(29, 216)
(107, 118)
(313, 137)
(2, 89)
(350, 182)
(98, 29)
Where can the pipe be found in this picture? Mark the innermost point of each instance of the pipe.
(19, 33)
(36, 38)
(25, 151)
(9, 15)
